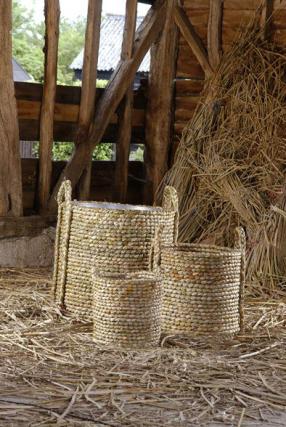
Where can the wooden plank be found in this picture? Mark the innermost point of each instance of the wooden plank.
(193, 39)
(117, 87)
(187, 64)
(265, 18)
(10, 163)
(125, 110)
(68, 94)
(88, 92)
(52, 16)
(229, 4)
(215, 32)
(159, 113)
(25, 226)
(187, 87)
(65, 131)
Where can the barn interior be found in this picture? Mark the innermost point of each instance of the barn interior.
(210, 118)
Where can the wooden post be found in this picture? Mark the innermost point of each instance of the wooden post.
(119, 83)
(265, 18)
(10, 162)
(88, 87)
(193, 39)
(215, 32)
(52, 15)
(125, 110)
(159, 107)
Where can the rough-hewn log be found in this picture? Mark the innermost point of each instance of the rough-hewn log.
(192, 39)
(52, 15)
(265, 17)
(10, 164)
(159, 113)
(114, 92)
(215, 32)
(125, 110)
(88, 87)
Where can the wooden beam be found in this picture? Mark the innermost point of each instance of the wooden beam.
(193, 39)
(10, 163)
(52, 15)
(265, 18)
(114, 92)
(25, 226)
(159, 113)
(125, 110)
(88, 87)
(215, 32)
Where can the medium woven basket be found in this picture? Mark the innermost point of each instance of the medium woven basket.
(117, 237)
(203, 288)
(126, 309)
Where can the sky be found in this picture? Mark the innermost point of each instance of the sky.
(71, 9)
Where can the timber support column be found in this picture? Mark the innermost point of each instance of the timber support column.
(159, 114)
(52, 17)
(10, 162)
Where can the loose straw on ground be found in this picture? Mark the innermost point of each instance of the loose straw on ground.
(51, 372)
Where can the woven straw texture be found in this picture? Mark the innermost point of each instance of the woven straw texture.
(116, 238)
(203, 288)
(126, 309)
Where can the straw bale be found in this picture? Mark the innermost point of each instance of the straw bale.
(229, 168)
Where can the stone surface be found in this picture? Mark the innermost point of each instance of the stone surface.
(36, 251)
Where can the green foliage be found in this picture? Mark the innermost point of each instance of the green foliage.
(71, 41)
(28, 41)
(63, 151)
(138, 154)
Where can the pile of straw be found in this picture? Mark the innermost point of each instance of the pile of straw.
(51, 373)
(230, 165)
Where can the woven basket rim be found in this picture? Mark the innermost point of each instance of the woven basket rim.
(200, 249)
(118, 207)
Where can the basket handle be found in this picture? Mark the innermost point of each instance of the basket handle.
(240, 239)
(65, 192)
(171, 202)
(240, 243)
(155, 251)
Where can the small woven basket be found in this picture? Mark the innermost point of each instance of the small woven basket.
(126, 309)
(203, 288)
(117, 236)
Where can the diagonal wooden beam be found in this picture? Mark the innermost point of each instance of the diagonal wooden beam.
(265, 18)
(114, 92)
(125, 110)
(88, 86)
(193, 40)
(215, 32)
(52, 16)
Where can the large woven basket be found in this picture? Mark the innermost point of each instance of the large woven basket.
(118, 237)
(203, 288)
(126, 309)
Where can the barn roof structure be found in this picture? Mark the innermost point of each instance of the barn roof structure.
(111, 34)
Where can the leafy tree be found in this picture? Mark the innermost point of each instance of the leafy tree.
(28, 41)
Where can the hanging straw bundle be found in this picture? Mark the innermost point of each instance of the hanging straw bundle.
(230, 165)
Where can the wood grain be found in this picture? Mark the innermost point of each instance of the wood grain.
(52, 16)
(10, 164)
